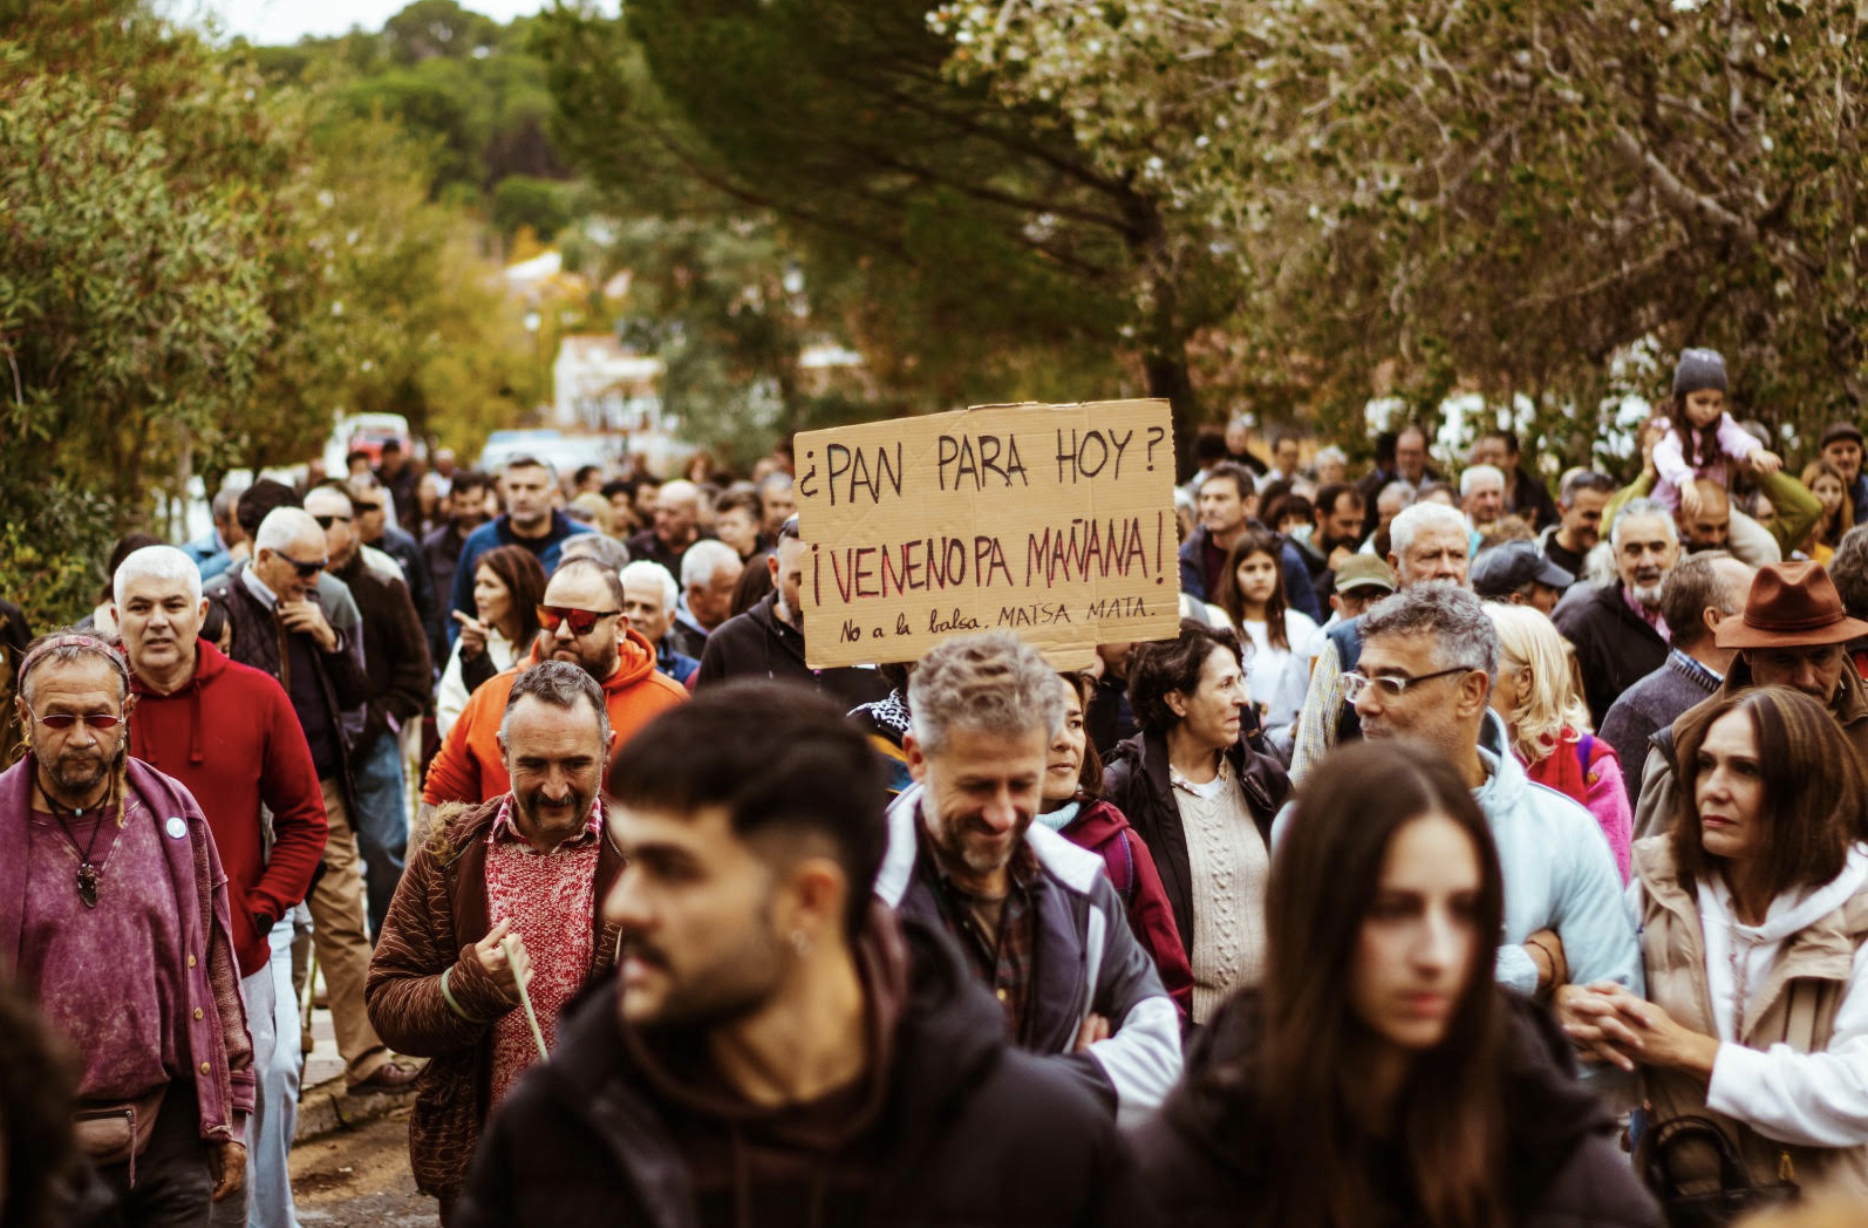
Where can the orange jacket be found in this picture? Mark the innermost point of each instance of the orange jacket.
(470, 767)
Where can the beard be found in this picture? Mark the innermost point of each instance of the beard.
(544, 817)
(1648, 594)
(963, 838)
(599, 663)
(77, 773)
(738, 984)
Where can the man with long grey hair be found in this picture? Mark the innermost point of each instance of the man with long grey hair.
(1036, 917)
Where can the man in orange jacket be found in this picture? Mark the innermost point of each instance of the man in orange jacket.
(582, 623)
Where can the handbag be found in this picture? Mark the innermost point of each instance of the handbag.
(1736, 1196)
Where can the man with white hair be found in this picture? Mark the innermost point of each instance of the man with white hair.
(676, 527)
(1036, 917)
(279, 627)
(1617, 628)
(709, 575)
(1427, 542)
(228, 732)
(1482, 495)
(649, 596)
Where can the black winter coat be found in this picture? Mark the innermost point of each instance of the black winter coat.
(1615, 647)
(1202, 1157)
(1136, 780)
(972, 1132)
(759, 644)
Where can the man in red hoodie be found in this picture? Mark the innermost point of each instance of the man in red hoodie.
(229, 734)
(582, 623)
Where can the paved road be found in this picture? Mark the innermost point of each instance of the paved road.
(360, 1179)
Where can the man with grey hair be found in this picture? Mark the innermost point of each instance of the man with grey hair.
(676, 528)
(503, 901)
(709, 575)
(1429, 657)
(1482, 495)
(1617, 628)
(280, 627)
(1036, 917)
(1428, 542)
(1699, 593)
(649, 596)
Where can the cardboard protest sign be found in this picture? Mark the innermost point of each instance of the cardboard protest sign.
(1055, 521)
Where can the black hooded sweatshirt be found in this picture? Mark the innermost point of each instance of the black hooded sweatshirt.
(959, 1129)
(1563, 1166)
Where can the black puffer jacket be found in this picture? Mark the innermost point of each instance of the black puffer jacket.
(970, 1131)
(1615, 648)
(1202, 1155)
(760, 644)
(1136, 780)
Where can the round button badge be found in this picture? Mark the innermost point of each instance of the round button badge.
(176, 828)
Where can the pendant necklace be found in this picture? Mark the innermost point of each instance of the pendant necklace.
(88, 874)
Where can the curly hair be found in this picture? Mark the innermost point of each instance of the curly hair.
(1159, 669)
(992, 682)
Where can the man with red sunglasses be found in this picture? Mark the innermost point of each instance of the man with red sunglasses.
(581, 621)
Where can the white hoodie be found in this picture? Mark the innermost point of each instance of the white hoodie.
(1806, 1099)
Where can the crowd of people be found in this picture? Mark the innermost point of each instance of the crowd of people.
(1471, 857)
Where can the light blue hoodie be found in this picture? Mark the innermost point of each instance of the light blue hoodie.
(1559, 874)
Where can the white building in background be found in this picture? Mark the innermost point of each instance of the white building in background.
(598, 385)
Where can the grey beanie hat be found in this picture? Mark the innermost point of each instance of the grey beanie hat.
(1698, 370)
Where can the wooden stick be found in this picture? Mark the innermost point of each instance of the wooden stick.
(525, 999)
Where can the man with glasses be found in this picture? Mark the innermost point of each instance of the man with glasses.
(1429, 657)
(114, 917)
(279, 627)
(580, 621)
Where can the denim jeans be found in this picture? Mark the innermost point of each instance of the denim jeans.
(272, 1018)
(382, 822)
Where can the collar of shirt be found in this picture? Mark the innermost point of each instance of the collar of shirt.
(1696, 670)
(258, 588)
(505, 830)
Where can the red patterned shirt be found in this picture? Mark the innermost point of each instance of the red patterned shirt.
(549, 897)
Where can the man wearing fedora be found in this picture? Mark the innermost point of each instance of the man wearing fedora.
(1793, 632)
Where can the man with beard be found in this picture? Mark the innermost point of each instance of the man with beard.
(502, 902)
(114, 916)
(228, 733)
(530, 520)
(1036, 916)
(779, 1049)
(1332, 540)
(581, 622)
(1429, 658)
(676, 528)
(1617, 628)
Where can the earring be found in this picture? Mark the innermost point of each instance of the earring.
(801, 943)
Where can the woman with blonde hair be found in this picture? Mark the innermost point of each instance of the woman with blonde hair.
(1541, 702)
(1825, 482)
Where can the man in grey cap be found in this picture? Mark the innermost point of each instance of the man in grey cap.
(1517, 573)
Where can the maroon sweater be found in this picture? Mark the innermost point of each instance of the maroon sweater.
(231, 736)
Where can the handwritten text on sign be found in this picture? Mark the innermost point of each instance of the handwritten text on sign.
(1056, 521)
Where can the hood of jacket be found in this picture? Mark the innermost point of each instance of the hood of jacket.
(635, 660)
(1505, 781)
(1096, 824)
(210, 665)
(1789, 915)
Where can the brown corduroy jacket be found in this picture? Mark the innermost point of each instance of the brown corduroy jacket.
(438, 915)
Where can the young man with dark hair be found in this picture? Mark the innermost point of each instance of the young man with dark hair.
(530, 520)
(1228, 502)
(778, 1049)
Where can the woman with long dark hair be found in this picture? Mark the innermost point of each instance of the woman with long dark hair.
(1251, 591)
(1379, 1077)
(1754, 916)
(508, 584)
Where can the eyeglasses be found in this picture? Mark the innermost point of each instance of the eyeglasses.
(582, 621)
(305, 570)
(325, 522)
(1393, 686)
(59, 722)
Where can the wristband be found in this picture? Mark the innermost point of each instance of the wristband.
(447, 996)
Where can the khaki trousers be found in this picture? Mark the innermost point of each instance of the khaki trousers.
(342, 943)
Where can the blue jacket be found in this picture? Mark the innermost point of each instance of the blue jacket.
(1087, 960)
(1299, 593)
(492, 535)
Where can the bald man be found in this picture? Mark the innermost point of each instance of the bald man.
(676, 528)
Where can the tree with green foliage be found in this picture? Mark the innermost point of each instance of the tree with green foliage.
(1509, 196)
(968, 251)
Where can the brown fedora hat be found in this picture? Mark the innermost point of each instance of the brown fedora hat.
(1792, 605)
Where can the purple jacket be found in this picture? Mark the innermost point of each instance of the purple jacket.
(213, 1019)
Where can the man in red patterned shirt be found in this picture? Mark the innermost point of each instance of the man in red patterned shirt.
(502, 903)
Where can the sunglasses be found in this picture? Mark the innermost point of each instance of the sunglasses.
(59, 722)
(551, 617)
(325, 522)
(305, 570)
